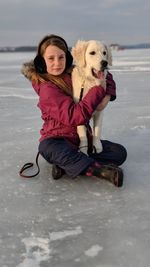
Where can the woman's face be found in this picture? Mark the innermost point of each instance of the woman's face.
(55, 60)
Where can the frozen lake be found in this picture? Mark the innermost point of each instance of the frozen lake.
(83, 222)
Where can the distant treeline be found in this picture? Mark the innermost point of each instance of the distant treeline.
(137, 46)
(18, 49)
(34, 48)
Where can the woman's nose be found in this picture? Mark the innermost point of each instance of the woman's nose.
(57, 61)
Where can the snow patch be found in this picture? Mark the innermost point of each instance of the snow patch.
(93, 251)
(60, 235)
(37, 250)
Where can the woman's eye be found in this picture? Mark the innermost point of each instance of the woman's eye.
(92, 53)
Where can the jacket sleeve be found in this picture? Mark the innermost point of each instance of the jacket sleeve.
(56, 105)
(110, 86)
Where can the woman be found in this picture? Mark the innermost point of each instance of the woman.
(59, 141)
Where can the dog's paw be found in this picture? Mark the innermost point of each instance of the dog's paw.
(83, 149)
(97, 145)
(99, 150)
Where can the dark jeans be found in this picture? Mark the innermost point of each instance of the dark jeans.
(60, 152)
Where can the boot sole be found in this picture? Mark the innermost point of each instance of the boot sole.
(118, 181)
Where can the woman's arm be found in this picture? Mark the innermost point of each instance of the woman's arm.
(110, 92)
(103, 103)
(55, 104)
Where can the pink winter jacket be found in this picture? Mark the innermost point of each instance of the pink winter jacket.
(60, 114)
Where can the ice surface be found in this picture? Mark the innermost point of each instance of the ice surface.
(83, 222)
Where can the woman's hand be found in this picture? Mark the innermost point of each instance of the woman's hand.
(110, 86)
(103, 103)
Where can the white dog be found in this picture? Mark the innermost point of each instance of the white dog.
(91, 62)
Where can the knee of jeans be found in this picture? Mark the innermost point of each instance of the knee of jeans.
(122, 155)
(43, 152)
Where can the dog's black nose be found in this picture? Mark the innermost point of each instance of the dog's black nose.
(104, 64)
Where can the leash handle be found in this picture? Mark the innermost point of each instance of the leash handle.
(29, 165)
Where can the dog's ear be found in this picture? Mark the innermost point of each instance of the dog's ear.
(78, 53)
(109, 55)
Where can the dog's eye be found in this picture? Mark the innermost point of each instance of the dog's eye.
(104, 53)
(92, 53)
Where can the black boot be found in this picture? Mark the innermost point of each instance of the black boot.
(111, 173)
(57, 172)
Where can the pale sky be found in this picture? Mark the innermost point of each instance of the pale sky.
(26, 22)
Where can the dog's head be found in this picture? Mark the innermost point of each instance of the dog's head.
(92, 57)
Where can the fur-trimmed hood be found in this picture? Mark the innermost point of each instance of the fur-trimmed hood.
(28, 70)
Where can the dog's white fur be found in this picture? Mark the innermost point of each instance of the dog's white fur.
(88, 57)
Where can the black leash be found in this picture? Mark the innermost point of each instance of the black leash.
(81, 93)
(29, 165)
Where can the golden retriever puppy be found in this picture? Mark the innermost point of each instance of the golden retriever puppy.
(91, 59)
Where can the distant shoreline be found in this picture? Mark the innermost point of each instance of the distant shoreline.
(34, 48)
(18, 49)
